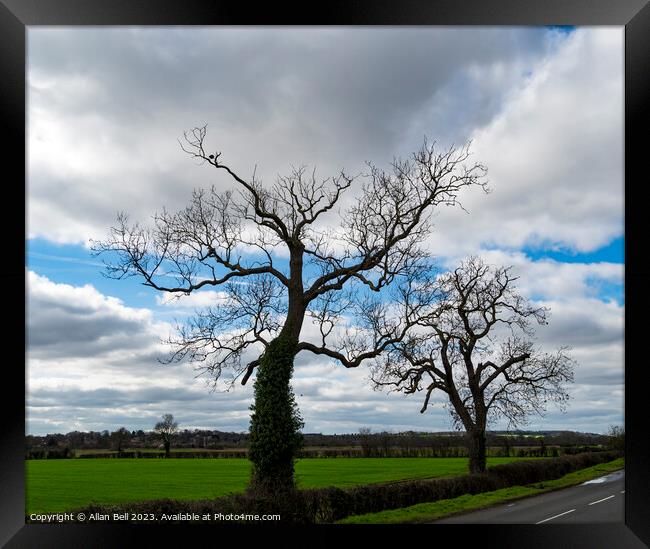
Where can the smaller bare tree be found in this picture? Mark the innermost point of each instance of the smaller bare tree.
(474, 344)
(616, 435)
(119, 438)
(365, 437)
(166, 429)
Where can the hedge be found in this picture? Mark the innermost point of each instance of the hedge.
(327, 505)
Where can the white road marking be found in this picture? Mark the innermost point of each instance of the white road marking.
(511, 505)
(622, 491)
(551, 518)
(598, 480)
(604, 499)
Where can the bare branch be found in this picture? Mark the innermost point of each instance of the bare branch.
(383, 229)
(272, 263)
(452, 350)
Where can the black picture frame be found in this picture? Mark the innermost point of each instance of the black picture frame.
(16, 15)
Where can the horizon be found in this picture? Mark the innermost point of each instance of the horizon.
(488, 431)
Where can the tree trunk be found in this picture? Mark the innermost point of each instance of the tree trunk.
(167, 445)
(275, 437)
(275, 422)
(476, 446)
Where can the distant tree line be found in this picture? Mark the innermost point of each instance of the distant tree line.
(363, 444)
(107, 440)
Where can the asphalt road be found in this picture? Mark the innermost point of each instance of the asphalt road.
(597, 500)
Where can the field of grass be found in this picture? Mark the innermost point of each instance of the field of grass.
(59, 485)
(428, 512)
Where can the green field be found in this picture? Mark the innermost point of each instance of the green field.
(58, 485)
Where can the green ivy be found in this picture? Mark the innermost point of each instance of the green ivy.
(275, 437)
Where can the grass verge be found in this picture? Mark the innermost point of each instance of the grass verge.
(427, 512)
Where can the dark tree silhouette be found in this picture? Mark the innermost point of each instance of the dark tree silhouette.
(119, 438)
(474, 344)
(275, 263)
(166, 429)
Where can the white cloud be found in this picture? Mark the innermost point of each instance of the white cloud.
(106, 107)
(545, 112)
(119, 381)
(554, 155)
(69, 321)
(550, 278)
(195, 300)
(92, 363)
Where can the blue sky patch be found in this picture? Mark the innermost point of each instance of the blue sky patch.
(75, 265)
(614, 252)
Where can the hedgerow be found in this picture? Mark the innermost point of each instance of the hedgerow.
(326, 505)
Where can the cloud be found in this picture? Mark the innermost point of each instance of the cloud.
(196, 300)
(109, 376)
(68, 407)
(106, 107)
(548, 278)
(544, 110)
(92, 363)
(554, 154)
(65, 321)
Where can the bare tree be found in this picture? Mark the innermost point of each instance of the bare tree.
(166, 429)
(474, 344)
(616, 436)
(365, 437)
(119, 437)
(276, 262)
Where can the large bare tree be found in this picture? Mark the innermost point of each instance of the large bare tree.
(474, 344)
(276, 260)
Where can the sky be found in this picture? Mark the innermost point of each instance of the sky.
(543, 108)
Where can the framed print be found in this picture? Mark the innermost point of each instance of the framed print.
(284, 270)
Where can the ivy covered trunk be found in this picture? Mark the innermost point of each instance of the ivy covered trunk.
(275, 436)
